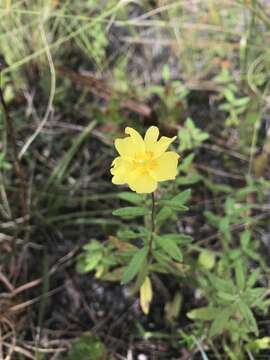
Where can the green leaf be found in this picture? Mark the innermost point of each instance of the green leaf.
(135, 265)
(253, 296)
(133, 290)
(240, 275)
(92, 260)
(183, 197)
(131, 212)
(224, 225)
(189, 179)
(131, 197)
(177, 238)
(220, 322)
(170, 247)
(216, 188)
(229, 95)
(253, 278)
(164, 214)
(204, 313)
(186, 163)
(222, 285)
(245, 239)
(212, 218)
(249, 317)
(163, 262)
(174, 205)
(226, 296)
(161, 257)
(201, 137)
(241, 101)
(93, 245)
(89, 262)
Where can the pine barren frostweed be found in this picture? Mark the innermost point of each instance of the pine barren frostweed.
(144, 162)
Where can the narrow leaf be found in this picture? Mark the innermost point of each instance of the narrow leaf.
(134, 266)
(177, 238)
(204, 313)
(130, 212)
(183, 197)
(220, 322)
(174, 205)
(226, 286)
(189, 179)
(130, 197)
(240, 275)
(249, 317)
(164, 214)
(170, 247)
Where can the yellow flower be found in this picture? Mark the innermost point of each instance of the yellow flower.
(144, 162)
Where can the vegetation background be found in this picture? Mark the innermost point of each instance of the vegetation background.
(74, 74)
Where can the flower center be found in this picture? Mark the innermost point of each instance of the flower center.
(144, 162)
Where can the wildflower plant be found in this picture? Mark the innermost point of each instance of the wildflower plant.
(142, 164)
(141, 248)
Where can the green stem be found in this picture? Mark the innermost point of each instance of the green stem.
(153, 211)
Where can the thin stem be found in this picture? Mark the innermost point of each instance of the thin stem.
(153, 211)
(16, 163)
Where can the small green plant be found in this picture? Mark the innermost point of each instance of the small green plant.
(237, 214)
(190, 136)
(231, 304)
(88, 347)
(233, 287)
(232, 104)
(173, 95)
(190, 139)
(96, 257)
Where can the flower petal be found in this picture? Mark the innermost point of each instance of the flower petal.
(151, 137)
(136, 138)
(162, 145)
(125, 147)
(141, 183)
(120, 168)
(166, 166)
